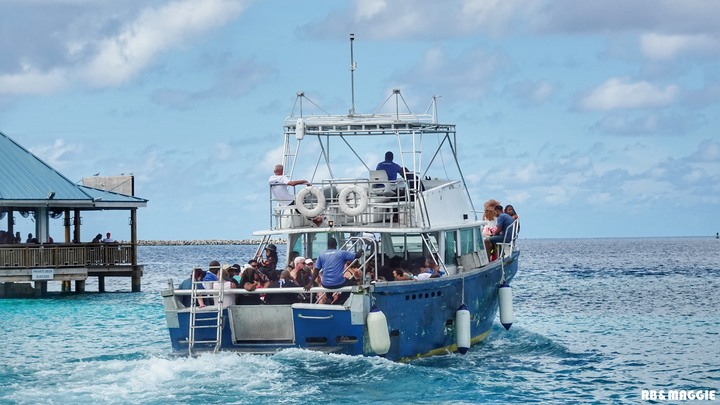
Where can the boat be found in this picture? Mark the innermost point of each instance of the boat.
(427, 215)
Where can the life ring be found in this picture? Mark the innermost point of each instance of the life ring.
(360, 198)
(300, 202)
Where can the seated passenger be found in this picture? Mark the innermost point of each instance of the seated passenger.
(502, 233)
(391, 168)
(197, 276)
(431, 270)
(250, 280)
(490, 216)
(285, 281)
(510, 210)
(400, 275)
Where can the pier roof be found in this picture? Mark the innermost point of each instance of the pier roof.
(27, 181)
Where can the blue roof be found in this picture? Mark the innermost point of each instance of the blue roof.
(27, 181)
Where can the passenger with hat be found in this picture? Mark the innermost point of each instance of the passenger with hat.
(268, 264)
(212, 274)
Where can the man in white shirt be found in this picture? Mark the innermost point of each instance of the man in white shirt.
(279, 184)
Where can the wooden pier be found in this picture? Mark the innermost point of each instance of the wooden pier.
(26, 270)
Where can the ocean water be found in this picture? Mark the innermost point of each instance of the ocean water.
(596, 321)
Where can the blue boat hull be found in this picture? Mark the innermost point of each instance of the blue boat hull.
(420, 318)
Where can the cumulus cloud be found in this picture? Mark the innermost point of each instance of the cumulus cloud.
(531, 93)
(419, 19)
(648, 124)
(467, 76)
(59, 153)
(155, 30)
(232, 81)
(621, 93)
(110, 53)
(33, 81)
(663, 46)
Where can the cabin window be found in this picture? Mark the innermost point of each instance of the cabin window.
(466, 241)
(450, 248)
(479, 244)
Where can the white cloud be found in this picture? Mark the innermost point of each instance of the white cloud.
(367, 9)
(620, 92)
(58, 154)
(154, 31)
(664, 46)
(32, 81)
(467, 76)
(530, 93)
(115, 53)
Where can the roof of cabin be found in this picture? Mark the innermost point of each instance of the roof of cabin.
(27, 181)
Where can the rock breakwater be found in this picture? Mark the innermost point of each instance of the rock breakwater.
(206, 242)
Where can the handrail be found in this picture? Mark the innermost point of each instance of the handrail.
(58, 255)
(268, 290)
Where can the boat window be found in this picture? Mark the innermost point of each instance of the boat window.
(450, 248)
(407, 246)
(479, 245)
(318, 244)
(466, 241)
(297, 246)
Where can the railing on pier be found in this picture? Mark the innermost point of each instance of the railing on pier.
(66, 255)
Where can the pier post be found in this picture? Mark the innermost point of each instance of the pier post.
(79, 286)
(39, 288)
(101, 283)
(66, 286)
(136, 277)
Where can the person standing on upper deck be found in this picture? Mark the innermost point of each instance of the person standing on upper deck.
(391, 168)
(279, 186)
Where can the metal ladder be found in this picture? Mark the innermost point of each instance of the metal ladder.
(214, 322)
(434, 250)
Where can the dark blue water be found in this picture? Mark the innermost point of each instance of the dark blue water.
(597, 321)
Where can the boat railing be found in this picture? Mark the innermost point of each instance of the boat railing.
(349, 202)
(506, 249)
(227, 293)
(368, 260)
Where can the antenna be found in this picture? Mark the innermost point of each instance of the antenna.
(353, 66)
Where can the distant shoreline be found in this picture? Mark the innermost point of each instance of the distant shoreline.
(202, 242)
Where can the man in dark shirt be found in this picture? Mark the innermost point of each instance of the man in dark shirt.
(503, 231)
(197, 276)
(391, 168)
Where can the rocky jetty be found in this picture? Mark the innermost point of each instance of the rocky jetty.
(206, 242)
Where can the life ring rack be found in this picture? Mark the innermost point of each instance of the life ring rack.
(360, 198)
(300, 202)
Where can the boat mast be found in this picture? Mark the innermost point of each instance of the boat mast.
(353, 66)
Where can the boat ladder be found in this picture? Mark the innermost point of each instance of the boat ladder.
(215, 321)
(434, 250)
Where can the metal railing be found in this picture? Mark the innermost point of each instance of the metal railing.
(386, 204)
(66, 255)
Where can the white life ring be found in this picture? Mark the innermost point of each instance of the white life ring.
(300, 202)
(360, 198)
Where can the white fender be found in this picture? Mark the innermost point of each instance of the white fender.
(360, 197)
(462, 329)
(506, 306)
(300, 129)
(300, 202)
(378, 331)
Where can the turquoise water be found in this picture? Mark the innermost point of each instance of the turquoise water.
(597, 321)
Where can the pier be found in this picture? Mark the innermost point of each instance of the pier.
(39, 190)
(65, 263)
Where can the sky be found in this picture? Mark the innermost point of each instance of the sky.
(594, 119)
